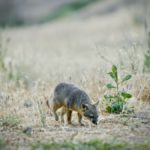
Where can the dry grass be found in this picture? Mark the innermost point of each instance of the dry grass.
(142, 87)
(80, 52)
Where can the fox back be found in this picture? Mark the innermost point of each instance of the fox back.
(70, 95)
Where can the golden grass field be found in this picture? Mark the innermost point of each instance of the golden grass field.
(80, 51)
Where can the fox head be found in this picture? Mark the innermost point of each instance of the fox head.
(90, 112)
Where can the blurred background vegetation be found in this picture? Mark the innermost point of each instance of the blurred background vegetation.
(19, 12)
(44, 42)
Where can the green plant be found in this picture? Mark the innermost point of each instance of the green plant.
(116, 101)
(9, 121)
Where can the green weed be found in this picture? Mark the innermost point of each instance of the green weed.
(116, 101)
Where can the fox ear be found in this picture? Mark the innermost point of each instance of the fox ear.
(85, 106)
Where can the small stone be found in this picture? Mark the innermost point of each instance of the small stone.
(28, 103)
(27, 130)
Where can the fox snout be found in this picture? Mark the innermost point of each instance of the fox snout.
(94, 121)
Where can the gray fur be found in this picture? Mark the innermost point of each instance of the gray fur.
(72, 98)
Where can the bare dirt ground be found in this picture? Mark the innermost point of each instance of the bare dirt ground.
(78, 51)
(124, 128)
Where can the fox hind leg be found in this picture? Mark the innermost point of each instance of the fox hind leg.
(55, 107)
(69, 115)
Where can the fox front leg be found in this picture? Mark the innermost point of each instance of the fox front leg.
(80, 119)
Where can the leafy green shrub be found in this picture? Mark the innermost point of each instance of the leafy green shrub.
(116, 101)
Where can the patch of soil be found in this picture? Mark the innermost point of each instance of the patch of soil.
(128, 128)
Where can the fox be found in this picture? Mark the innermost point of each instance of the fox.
(71, 98)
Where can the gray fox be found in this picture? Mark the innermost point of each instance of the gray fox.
(71, 98)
